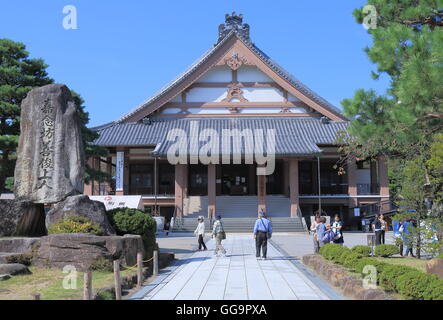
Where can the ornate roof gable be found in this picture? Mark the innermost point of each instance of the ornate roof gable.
(234, 49)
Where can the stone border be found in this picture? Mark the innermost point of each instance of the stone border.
(351, 286)
(325, 287)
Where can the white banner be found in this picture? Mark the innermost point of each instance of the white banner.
(119, 169)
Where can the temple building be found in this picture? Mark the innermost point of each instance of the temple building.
(235, 89)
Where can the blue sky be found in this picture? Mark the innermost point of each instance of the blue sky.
(124, 51)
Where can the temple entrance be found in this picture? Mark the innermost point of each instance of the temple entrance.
(198, 180)
(238, 180)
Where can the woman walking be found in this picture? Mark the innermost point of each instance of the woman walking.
(337, 229)
(314, 232)
(219, 233)
(200, 233)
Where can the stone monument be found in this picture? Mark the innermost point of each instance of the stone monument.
(50, 160)
(50, 156)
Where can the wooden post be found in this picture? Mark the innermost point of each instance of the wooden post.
(117, 280)
(139, 269)
(87, 285)
(35, 296)
(155, 263)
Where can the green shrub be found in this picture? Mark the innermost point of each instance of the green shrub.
(416, 285)
(102, 264)
(351, 260)
(343, 256)
(75, 224)
(440, 256)
(332, 251)
(363, 250)
(133, 221)
(360, 264)
(434, 291)
(389, 276)
(386, 250)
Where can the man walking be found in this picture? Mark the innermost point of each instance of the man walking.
(262, 232)
(219, 233)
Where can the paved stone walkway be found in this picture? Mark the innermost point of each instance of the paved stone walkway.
(239, 276)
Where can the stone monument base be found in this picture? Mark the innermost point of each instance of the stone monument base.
(21, 218)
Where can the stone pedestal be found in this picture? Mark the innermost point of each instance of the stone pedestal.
(21, 218)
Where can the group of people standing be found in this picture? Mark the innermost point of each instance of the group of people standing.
(262, 232)
(326, 233)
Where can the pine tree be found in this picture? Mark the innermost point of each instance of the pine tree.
(408, 47)
(405, 123)
(18, 75)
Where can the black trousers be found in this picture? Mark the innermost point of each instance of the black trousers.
(383, 236)
(378, 237)
(261, 243)
(201, 242)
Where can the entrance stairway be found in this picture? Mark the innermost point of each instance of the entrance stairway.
(239, 213)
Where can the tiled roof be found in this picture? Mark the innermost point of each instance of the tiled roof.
(294, 136)
(272, 64)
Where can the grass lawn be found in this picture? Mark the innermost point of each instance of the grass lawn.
(49, 284)
(419, 264)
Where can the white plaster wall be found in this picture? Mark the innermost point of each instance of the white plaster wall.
(217, 74)
(298, 110)
(263, 95)
(251, 74)
(208, 111)
(206, 94)
(171, 110)
(260, 110)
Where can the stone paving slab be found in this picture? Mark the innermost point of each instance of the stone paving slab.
(239, 276)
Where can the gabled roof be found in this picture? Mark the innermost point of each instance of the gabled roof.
(260, 54)
(299, 136)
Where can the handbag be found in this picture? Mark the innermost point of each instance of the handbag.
(223, 233)
(268, 234)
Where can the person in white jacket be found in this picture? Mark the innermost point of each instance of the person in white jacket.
(200, 232)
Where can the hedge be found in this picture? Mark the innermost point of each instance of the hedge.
(133, 221)
(386, 250)
(363, 250)
(389, 276)
(360, 265)
(409, 282)
(417, 285)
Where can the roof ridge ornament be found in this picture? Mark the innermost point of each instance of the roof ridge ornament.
(233, 22)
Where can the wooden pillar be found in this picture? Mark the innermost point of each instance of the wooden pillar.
(293, 186)
(383, 176)
(211, 189)
(185, 180)
(261, 192)
(352, 182)
(179, 181)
